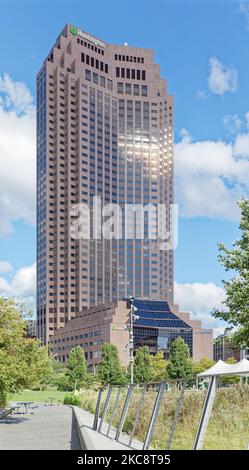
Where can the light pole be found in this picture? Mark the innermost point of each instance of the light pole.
(133, 317)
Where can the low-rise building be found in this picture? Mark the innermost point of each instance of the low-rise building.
(156, 326)
(223, 349)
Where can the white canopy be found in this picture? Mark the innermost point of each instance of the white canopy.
(222, 368)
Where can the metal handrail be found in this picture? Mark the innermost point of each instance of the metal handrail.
(160, 387)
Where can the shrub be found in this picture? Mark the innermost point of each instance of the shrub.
(71, 400)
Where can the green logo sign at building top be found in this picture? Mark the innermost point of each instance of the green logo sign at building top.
(77, 32)
(74, 30)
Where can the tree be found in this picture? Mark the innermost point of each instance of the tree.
(236, 303)
(24, 363)
(76, 367)
(179, 365)
(142, 365)
(230, 379)
(109, 370)
(158, 367)
(202, 365)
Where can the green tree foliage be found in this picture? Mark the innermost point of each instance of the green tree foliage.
(24, 363)
(158, 367)
(109, 370)
(230, 379)
(202, 365)
(236, 260)
(142, 365)
(76, 368)
(179, 365)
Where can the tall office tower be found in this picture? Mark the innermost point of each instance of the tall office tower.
(104, 128)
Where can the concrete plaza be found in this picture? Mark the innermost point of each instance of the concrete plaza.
(52, 428)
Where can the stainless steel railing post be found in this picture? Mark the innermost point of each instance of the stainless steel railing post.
(106, 406)
(97, 410)
(154, 416)
(124, 411)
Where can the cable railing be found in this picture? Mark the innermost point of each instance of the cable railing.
(114, 403)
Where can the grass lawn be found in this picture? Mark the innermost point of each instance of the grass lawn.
(39, 396)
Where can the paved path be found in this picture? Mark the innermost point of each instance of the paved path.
(52, 428)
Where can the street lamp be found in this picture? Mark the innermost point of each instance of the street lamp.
(133, 318)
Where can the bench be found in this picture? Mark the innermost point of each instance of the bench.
(5, 413)
(34, 409)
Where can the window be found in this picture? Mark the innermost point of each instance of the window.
(117, 72)
(102, 81)
(109, 84)
(120, 88)
(128, 88)
(95, 78)
(144, 90)
(88, 75)
(136, 90)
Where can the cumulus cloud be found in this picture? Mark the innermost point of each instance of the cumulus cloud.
(221, 78)
(15, 95)
(232, 123)
(200, 299)
(17, 151)
(21, 286)
(211, 176)
(5, 267)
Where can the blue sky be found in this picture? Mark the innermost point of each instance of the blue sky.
(202, 48)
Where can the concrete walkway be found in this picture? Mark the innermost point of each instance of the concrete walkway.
(52, 428)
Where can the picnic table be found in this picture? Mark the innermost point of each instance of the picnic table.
(26, 405)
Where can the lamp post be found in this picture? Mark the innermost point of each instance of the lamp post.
(133, 318)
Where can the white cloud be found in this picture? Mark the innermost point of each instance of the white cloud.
(5, 267)
(232, 123)
(17, 151)
(244, 9)
(211, 176)
(15, 95)
(22, 286)
(221, 78)
(241, 146)
(200, 95)
(247, 119)
(200, 299)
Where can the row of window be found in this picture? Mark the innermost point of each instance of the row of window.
(95, 78)
(129, 58)
(97, 64)
(134, 74)
(130, 89)
(90, 46)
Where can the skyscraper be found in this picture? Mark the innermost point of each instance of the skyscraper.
(104, 129)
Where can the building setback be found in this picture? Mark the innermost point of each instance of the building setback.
(157, 327)
(104, 128)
